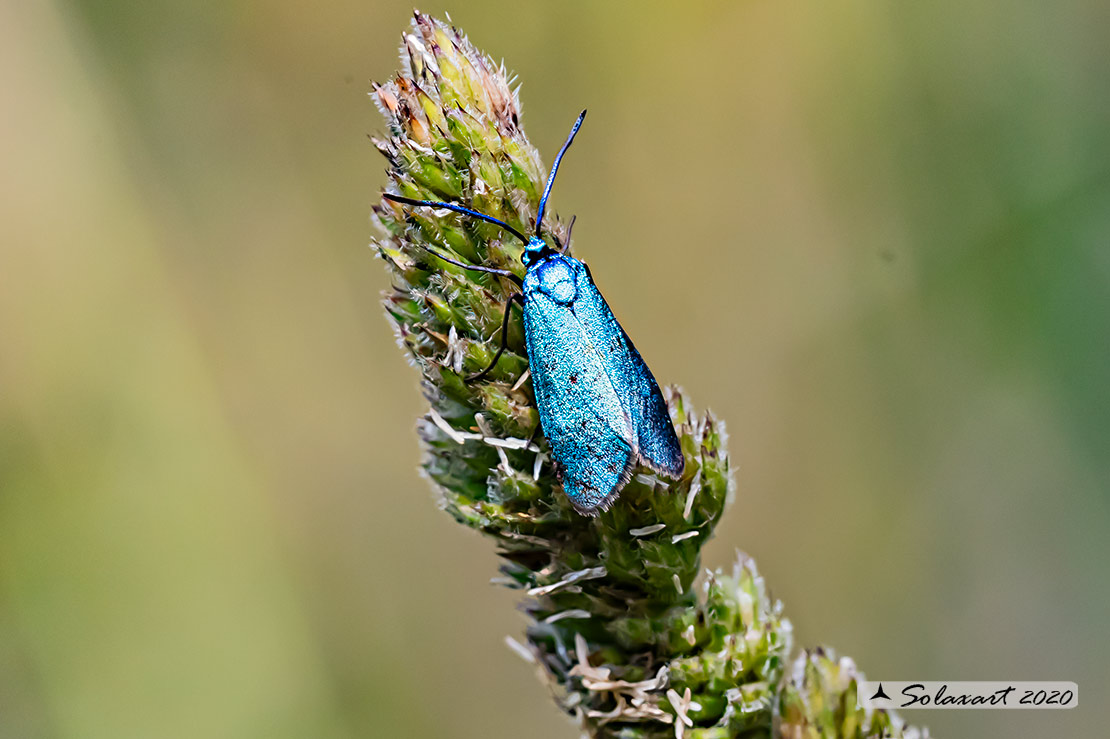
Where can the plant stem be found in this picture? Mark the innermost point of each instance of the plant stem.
(631, 641)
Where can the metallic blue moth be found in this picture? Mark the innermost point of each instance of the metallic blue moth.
(599, 405)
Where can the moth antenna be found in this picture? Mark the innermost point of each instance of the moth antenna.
(555, 169)
(457, 209)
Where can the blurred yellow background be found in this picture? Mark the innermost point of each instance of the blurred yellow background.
(873, 237)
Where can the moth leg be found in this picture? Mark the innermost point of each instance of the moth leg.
(474, 267)
(534, 434)
(563, 249)
(514, 298)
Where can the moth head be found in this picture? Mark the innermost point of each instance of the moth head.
(534, 250)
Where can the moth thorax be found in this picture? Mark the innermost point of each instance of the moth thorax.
(557, 280)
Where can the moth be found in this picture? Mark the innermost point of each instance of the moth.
(599, 405)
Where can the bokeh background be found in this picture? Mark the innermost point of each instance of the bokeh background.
(872, 236)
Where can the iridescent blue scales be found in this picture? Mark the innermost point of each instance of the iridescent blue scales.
(600, 407)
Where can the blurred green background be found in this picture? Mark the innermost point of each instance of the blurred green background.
(873, 237)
